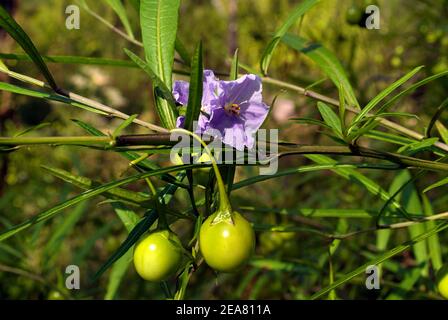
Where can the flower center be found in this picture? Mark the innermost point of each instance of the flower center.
(233, 109)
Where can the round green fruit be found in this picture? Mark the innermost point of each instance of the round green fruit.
(442, 281)
(226, 244)
(55, 295)
(353, 15)
(158, 256)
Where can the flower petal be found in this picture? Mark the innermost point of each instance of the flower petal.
(180, 122)
(245, 88)
(180, 92)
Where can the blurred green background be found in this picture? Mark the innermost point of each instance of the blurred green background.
(32, 263)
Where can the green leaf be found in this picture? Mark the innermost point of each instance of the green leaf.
(128, 217)
(310, 121)
(330, 118)
(130, 220)
(158, 20)
(59, 233)
(391, 114)
(443, 131)
(388, 137)
(195, 91)
(411, 202)
(119, 9)
(436, 116)
(124, 125)
(45, 95)
(8, 23)
(319, 213)
(73, 60)
(418, 146)
(93, 131)
(296, 13)
(346, 170)
(117, 274)
(327, 62)
(166, 111)
(86, 183)
(439, 183)
(277, 265)
(411, 89)
(435, 250)
(33, 128)
(234, 66)
(50, 213)
(383, 94)
(383, 257)
(353, 175)
(182, 51)
(3, 66)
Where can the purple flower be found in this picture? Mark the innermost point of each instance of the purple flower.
(180, 122)
(232, 111)
(180, 92)
(209, 97)
(239, 111)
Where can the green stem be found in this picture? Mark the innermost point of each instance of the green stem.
(224, 203)
(15, 141)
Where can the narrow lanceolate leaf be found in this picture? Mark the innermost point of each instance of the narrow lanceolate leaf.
(119, 9)
(73, 60)
(166, 109)
(195, 92)
(436, 116)
(130, 220)
(439, 183)
(330, 118)
(310, 122)
(383, 94)
(411, 202)
(418, 146)
(86, 183)
(435, 251)
(8, 23)
(443, 131)
(3, 66)
(234, 67)
(124, 125)
(297, 12)
(61, 231)
(49, 96)
(411, 89)
(182, 52)
(327, 62)
(117, 274)
(384, 257)
(158, 20)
